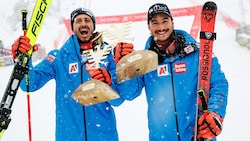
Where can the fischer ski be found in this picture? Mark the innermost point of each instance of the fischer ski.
(207, 37)
(21, 65)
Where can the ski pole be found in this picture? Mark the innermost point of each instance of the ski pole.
(24, 26)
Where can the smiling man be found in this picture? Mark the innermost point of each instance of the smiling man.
(171, 89)
(83, 56)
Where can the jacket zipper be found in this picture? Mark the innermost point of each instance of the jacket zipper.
(174, 99)
(83, 107)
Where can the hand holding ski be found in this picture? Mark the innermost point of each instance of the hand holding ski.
(20, 68)
(210, 125)
(207, 36)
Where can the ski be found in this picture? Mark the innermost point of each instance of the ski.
(21, 65)
(207, 37)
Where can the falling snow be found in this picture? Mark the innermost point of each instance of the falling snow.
(131, 115)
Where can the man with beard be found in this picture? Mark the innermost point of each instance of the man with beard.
(72, 65)
(171, 89)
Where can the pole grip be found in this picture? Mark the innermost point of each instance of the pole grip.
(24, 20)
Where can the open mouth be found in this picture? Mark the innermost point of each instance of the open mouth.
(84, 31)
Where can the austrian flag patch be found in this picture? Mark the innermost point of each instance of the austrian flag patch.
(50, 58)
(180, 67)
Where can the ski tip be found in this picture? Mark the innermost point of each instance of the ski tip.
(210, 5)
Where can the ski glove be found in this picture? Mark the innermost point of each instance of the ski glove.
(121, 50)
(101, 74)
(209, 125)
(22, 46)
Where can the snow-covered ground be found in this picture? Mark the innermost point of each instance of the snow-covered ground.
(131, 116)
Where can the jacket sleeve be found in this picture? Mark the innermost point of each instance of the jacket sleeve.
(40, 74)
(132, 88)
(112, 70)
(218, 89)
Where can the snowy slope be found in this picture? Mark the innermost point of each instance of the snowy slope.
(131, 116)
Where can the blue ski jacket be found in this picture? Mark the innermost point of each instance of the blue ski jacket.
(171, 92)
(75, 122)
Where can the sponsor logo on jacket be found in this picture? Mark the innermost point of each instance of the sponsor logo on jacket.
(162, 70)
(73, 68)
(180, 67)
